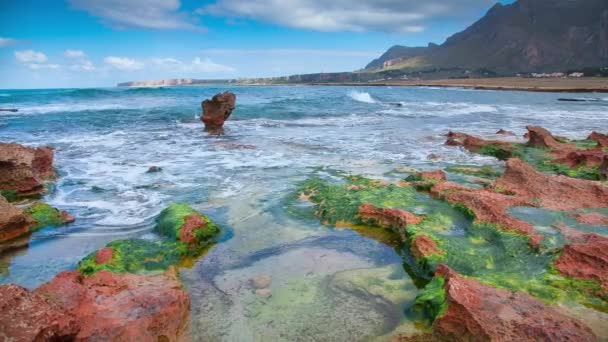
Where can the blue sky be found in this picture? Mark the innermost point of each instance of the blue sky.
(88, 43)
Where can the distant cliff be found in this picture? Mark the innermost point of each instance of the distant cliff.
(526, 36)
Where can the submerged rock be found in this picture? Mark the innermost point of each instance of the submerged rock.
(122, 307)
(261, 281)
(29, 316)
(217, 110)
(464, 309)
(423, 246)
(24, 169)
(13, 221)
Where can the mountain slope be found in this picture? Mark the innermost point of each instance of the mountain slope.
(526, 36)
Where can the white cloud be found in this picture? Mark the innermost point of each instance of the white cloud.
(38, 66)
(347, 15)
(30, 56)
(123, 63)
(150, 14)
(197, 65)
(74, 54)
(299, 52)
(4, 42)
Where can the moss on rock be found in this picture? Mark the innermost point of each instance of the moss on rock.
(432, 303)
(45, 216)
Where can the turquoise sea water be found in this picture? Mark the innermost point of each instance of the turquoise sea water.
(327, 283)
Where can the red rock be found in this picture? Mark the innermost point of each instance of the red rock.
(540, 137)
(104, 255)
(585, 259)
(13, 221)
(550, 191)
(592, 157)
(192, 223)
(23, 169)
(217, 110)
(395, 219)
(602, 139)
(437, 175)
(122, 307)
(478, 312)
(423, 246)
(488, 206)
(66, 217)
(604, 169)
(27, 316)
(472, 143)
(594, 219)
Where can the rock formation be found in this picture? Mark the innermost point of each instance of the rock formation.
(13, 221)
(478, 312)
(217, 110)
(587, 258)
(24, 169)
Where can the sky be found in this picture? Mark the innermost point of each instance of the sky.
(95, 43)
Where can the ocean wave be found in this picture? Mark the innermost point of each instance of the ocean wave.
(361, 97)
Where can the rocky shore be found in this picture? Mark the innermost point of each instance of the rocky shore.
(500, 278)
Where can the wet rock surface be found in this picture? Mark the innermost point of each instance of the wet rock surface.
(13, 221)
(587, 258)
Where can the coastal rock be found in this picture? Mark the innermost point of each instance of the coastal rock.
(154, 169)
(478, 312)
(592, 157)
(550, 191)
(437, 175)
(423, 246)
(593, 219)
(180, 222)
(23, 169)
(263, 293)
(587, 258)
(13, 221)
(43, 215)
(499, 149)
(604, 169)
(602, 139)
(217, 110)
(504, 132)
(104, 255)
(27, 316)
(540, 137)
(395, 219)
(122, 307)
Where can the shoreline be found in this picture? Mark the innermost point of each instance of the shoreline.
(547, 85)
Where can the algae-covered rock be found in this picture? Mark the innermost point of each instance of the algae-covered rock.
(46, 216)
(182, 224)
(464, 309)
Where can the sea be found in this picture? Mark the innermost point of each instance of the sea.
(328, 283)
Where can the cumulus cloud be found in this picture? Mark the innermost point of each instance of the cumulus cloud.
(123, 63)
(4, 42)
(197, 65)
(30, 56)
(75, 54)
(149, 14)
(347, 15)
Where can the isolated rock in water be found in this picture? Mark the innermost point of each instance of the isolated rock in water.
(478, 312)
(23, 169)
(592, 218)
(122, 307)
(586, 259)
(540, 137)
(550, 191)
(602, 139)
(27, 316)
(504, 132)
(13, 221)
(217, 110)
(261, 281)
(154, 169)
(181, 223)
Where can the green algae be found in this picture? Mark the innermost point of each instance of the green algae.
(476, 249)
(432, 303)
(44, 216)
(170, 221)
(487, 172)
(540, 159)
(10, 195)
(498, 151)
(146, 256)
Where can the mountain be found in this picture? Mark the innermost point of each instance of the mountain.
(525, 36)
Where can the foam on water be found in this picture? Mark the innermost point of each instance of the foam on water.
(361, 97)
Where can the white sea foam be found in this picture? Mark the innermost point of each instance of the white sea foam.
(361, 97)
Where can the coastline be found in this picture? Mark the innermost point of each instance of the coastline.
(561, 85)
